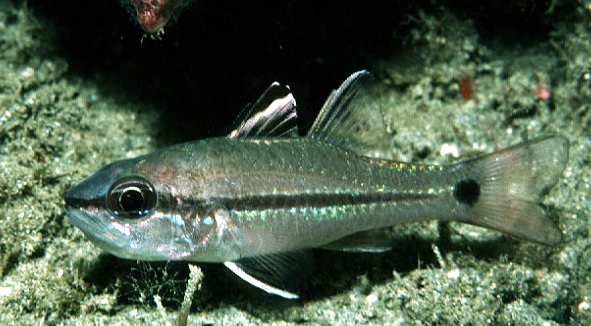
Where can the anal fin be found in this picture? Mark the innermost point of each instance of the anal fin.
(365, 241)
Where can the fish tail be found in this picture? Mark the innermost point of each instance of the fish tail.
(503, 190)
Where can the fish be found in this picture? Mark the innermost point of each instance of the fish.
(259, 198)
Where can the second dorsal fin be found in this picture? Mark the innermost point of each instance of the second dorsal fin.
(351, 117)
(272, 115)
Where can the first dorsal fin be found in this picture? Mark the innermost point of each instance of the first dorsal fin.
(351, 117)
(272, 115)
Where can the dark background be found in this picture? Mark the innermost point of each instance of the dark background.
(216, 56)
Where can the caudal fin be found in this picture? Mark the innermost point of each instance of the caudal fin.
(503, 190)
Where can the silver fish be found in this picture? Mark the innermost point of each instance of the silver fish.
(255, 199)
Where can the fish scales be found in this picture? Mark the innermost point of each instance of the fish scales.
(297, 186)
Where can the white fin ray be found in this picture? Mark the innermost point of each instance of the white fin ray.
(272, 115)
(280, 274)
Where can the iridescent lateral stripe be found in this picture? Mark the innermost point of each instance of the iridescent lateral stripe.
(318, 200)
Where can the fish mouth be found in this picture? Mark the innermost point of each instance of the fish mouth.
(99, 231)
(111, 235)
(86, 210)
(83, 220)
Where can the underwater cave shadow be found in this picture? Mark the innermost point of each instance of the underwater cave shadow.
(341, 271)
(335, 272)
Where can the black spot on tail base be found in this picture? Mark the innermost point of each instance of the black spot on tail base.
(467, 191)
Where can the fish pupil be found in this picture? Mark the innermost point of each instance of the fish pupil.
(131, 198)
(467, 191)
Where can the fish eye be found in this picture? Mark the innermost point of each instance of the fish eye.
(131, 198)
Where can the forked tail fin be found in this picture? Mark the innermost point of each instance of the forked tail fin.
(503, 190)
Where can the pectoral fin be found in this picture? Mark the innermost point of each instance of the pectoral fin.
(281, 274)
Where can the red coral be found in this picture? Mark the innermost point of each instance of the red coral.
(467, 87)
(543, 92)
(152, 15)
